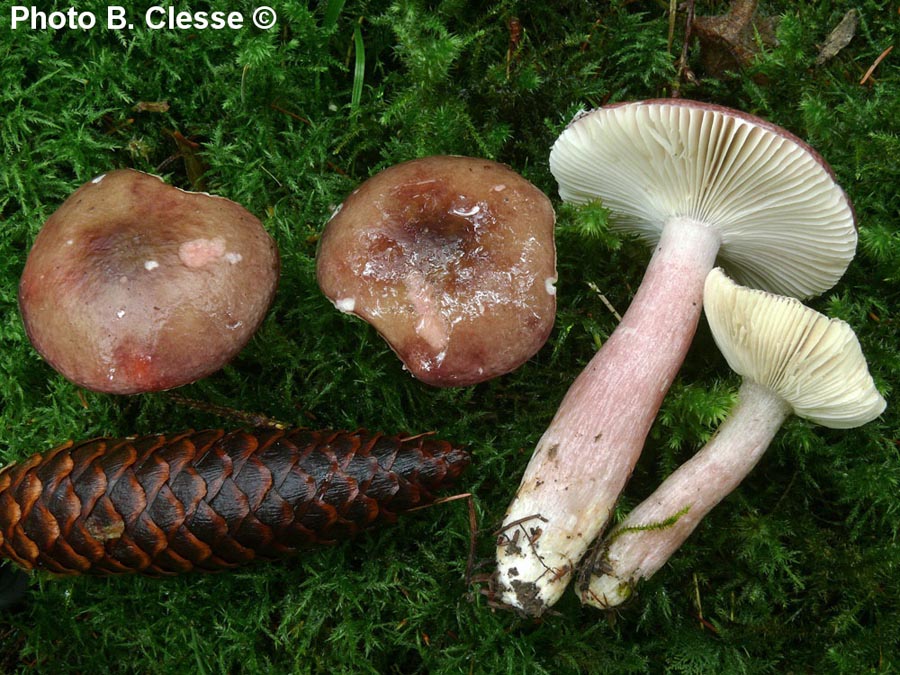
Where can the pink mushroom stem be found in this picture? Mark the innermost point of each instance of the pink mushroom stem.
(641, 544)
(585, 457)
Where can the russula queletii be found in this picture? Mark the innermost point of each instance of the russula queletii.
(133, 285)
(793, 360)
(699, 183)
(452, 260)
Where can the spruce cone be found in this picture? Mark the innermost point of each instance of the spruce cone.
(210, 500)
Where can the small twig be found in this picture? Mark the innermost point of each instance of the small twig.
(293, 115)
(706, 624)
(442, 500)
(271, 175)
(785, 493)
(334, 167)
(697, 599)
(605, 301)
(515, 36)
(872, 68)
(473, 530)
(189, 151)
(516, 523)
(244, 81)
(673, 11)
(531, 536)
(683, 70)
(424, 434)
(253, 419)
(82, 399)
(586, 43)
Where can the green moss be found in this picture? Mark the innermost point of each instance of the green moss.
(794, 572)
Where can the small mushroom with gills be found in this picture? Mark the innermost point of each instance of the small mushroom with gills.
(133, 285)
(793, 360)
(699, 182)
(452, 260)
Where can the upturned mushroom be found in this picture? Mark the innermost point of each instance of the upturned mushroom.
(793, 360)
(452, 260)
(699, 183)
(133, 285)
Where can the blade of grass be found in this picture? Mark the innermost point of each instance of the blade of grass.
(333, 10)
(359, 69)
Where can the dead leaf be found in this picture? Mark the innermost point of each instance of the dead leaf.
(839, 38)
(731, 41)
(151, 106)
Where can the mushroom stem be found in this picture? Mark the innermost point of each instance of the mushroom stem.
(585, 457)
(641, 544)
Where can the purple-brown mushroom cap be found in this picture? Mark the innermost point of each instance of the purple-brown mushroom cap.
(133, 285)
(452, 260)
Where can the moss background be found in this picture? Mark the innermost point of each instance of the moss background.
(796, 572)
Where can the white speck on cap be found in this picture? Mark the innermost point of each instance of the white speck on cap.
(467, 212)
(345, 305)
(151, 265)
(550, 285)
(99, 178)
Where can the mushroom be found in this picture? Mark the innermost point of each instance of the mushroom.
(698, 182)
(452, 260)
(793, 360)
(133, 285)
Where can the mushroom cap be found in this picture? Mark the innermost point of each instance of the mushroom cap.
(811, 361)
(785, 225)
(452, 260)
(133, 285)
